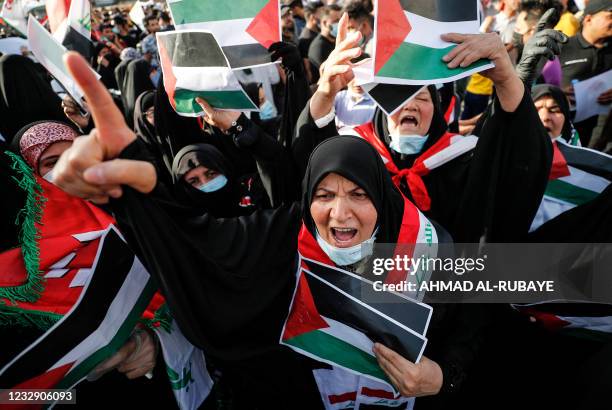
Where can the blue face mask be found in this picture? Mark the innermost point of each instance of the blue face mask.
(267, 111)
(347, 256)
(408, 144)
(334, 30)
(214, 184)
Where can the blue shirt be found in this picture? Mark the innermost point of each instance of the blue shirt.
(351, 112)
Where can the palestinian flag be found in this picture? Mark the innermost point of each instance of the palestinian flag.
(49, 52)
(245, 29)
(586, 320)
(577, 177)
(75, 31)
(108, 309)
(408, 48)
(194, 66)
(330, 322)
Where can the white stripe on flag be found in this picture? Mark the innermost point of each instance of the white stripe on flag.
(348, 335)
(585, 180)
(456, 149)
(205, 79)
(426, 32)
(118, 312)
(599, 324)
(227, 32)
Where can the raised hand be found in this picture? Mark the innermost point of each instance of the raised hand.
(336, 71)
(545, 44)
(217, 118)
(89, 169)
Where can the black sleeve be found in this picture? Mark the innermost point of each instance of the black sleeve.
(228, 282)
(507, 176)
(308, 137)
(297, 93)
(274, 165)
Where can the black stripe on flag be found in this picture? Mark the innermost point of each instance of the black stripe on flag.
(246, 55)
(193, 49)
(443, 10)
(587, 160)
(114, 264)
(390, 96)
(75, 41)
(337, 306)
(406, 311)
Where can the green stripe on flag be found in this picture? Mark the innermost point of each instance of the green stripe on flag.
(235, 100)
(197, 11)
(569, 193)
(122, 335)
(415, 62)
(335, 350)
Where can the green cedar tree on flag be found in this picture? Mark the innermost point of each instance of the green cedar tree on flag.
(244, 28)
(194, 66)
(408, 48)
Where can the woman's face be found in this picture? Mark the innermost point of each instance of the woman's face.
(150, 115)
(199, 176)
(343, 213)
(49, 157)
(414, 118)
(551, 115)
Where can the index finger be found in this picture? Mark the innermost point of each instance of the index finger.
(548, 20)
(342, 28)
(106, 115)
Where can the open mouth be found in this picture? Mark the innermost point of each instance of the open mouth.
(343, 234)
(410, 121)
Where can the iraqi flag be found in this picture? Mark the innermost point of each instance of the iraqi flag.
(578, 176)
(194, 66)
(245, 29)
(330, 322)
(408, 48)
(75, 31)
(587, 320)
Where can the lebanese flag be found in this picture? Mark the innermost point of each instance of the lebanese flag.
(578, 176)
(330, 322)
(408, 48)
(245, 29)
(194, 66)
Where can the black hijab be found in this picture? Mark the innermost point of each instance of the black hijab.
(135, 81)
(221, 203)
(436, 130)
(142, 127)
(356, 160)
(547, 90)
(26, 96)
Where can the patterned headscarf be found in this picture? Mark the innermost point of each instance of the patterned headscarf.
(39, 136)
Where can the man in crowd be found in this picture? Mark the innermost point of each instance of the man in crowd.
(361, 20)
(323, 44)
(310, 31)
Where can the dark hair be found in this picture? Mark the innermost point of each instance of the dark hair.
(165, 16)
(311, 9)
(535, 9)
(105, 26)
(327, 10)
(357, 10)
(149, 18)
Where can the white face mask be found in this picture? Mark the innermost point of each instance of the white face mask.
(408, 144)
(347, 256)
(49, 176)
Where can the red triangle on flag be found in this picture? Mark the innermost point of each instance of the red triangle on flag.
(265, 27)
(46, 380)
(392, 27)
(304, 316)
(559, 167)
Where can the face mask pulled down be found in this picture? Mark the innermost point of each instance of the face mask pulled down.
(347, 256)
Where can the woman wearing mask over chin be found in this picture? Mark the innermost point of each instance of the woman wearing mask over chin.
(42, 143)
(490, 183)
(204, 179)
